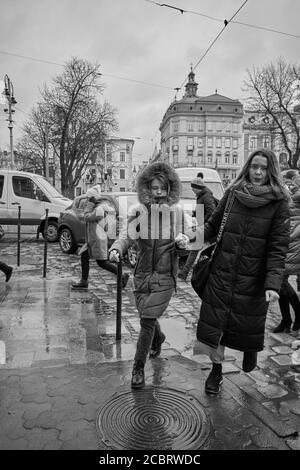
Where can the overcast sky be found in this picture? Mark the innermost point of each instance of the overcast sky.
(138, 40)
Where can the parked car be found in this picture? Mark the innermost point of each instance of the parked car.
(34, 194)
(71, 231)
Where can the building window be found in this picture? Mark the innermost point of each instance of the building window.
(267, 141)
(200, 142)
(201, 158)
(209, 142)
(235, 143)
(227, 143)
(122, 156)
(209, 126)
(175, 144)
(175, 126)
(218, 159)
(235, 127)
(227, 157)
(219, 126)
(233, 174)
(283, 158)
(127, 148)
(219, 142)
(190, 126)
(209, 157)
(234, 159)
(252, 142)
(122, 174)
(200, 126)
(190, 143)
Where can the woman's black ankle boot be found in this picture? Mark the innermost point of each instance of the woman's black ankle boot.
(249, 361)
(214, 379)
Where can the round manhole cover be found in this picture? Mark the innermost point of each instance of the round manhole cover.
(153, 418)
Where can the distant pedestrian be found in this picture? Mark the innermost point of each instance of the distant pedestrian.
(159, 222)
(96, 215)
(7, 270)
(247, 268)
(203, 196)
(288, 296)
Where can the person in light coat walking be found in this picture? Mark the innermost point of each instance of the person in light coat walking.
(96, 215)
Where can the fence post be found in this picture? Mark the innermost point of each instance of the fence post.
(45, 243)
(119, 301)
(19, 236)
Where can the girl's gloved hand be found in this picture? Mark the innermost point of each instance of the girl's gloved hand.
(271, 296)
(114, 256)
(182, 241)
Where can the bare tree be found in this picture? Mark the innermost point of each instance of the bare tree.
(71, 120)
(274, 91)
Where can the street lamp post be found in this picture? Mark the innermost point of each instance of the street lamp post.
(9, 94)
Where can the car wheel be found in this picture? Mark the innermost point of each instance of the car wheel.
(66, 241)
(132, 256)
(52, 232)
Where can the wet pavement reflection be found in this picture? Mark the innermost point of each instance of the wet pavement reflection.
(45, 324)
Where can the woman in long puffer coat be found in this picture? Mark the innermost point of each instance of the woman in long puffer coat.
(247, 268)
(288, 296)
(158, 225)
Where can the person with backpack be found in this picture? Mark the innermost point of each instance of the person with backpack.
(203, 196)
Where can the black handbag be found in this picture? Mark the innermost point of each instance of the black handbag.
(201, 269)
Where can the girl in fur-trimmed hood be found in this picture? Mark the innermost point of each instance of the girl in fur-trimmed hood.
(158, 222)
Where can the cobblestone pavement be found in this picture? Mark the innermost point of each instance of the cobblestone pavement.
(63, 364)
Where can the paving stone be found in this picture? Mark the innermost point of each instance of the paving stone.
(272, 391)
(294, 444)
(282, 360)
(282, 349)
(38, 440)
(21, 360)
(70, 429)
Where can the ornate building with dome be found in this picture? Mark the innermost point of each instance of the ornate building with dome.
(204, 131)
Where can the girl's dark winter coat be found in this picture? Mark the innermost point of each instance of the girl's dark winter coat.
(156, 268)
(249, 261)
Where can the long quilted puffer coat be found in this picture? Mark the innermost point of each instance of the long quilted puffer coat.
(250, 260)
(156, 268)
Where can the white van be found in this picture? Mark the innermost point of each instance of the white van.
(211, 179)
(34, 194)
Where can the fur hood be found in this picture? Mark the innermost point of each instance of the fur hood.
(143, 188)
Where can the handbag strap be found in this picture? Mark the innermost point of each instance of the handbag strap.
(228, 207)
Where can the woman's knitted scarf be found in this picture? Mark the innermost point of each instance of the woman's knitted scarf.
(256, 196)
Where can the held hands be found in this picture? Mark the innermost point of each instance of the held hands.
(271, 296)
(182, 241)
(114, 256)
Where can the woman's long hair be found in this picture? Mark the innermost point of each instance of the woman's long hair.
(275, 179)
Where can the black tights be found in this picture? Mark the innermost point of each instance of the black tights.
(288, 297)
(103, 263)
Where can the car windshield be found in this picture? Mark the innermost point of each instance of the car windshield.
(214, 186)
(48, 187)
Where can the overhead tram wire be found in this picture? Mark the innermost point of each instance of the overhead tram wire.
(271, 30)
(216, 38)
